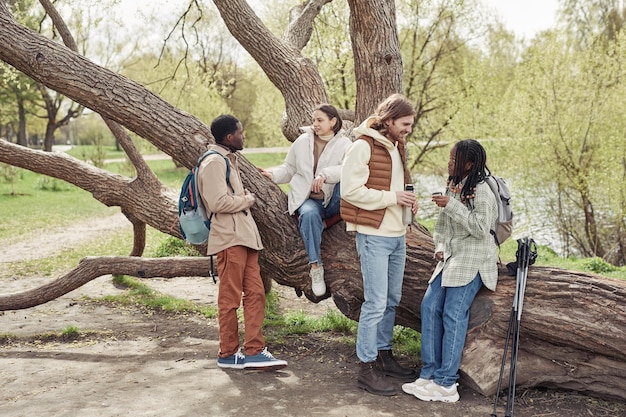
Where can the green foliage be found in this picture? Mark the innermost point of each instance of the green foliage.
(70, 331)
(51, 184)
(7, 338)
(568, 108)
(331, 50)
(25, 211)
(81, 151)
(599, 266)
(266, 160)
(91, 130)
(184, 89)
(298, 322)
(11, 175)
(444, 76)
(172, 246)
(407, 341)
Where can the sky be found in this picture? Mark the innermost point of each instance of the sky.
(526, 17)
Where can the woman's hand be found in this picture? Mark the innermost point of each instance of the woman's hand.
(439, 256)
(440, 200)
(266, 174)
(318, 183)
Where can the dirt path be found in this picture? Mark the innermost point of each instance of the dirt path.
(129, 362)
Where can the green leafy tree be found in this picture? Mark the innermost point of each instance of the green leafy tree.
(569, 106)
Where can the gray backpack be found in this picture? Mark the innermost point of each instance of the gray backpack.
(503, 228)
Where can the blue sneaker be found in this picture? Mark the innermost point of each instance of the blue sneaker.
(264, 361)
(235, 361)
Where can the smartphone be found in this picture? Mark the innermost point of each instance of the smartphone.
(437, 193)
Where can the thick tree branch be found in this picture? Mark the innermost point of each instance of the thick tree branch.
(300, 28)
(148, 202)
(92, 268)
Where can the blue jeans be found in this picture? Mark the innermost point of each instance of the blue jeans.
(311, 213)
(445, 316)
(382, 265)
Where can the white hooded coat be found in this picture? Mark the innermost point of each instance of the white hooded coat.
(297, 170)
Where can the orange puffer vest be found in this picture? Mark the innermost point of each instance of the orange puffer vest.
(379, 179)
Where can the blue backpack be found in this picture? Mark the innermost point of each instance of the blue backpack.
(194, 222)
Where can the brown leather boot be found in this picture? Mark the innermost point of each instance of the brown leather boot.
(371, 380)
(388, 365)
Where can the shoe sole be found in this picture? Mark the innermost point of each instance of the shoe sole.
(452, 399)
(401, 378)
(229, 366)
(265, 367)
(375, 392)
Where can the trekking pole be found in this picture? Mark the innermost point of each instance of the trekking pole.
(509, 332)
(523, 268)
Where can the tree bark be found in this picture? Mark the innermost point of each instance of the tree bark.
(573, 329)
(376, 49)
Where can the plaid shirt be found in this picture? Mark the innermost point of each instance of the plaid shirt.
(462, 234)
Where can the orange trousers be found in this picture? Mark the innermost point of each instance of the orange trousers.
(240, 279)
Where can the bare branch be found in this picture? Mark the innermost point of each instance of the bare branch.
(91, 268)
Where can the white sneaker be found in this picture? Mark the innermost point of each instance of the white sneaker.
(435, 392)
(410, 387)
(317, 281)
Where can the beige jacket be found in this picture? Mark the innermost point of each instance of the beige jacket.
(232, 223)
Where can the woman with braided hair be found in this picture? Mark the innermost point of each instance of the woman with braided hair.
(466, 252)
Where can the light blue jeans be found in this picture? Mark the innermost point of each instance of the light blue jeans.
(311, 213)
(445, 316)
(382, 266)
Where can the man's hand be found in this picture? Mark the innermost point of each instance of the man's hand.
(406, 198)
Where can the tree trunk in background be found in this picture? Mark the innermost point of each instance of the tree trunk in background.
(21, 130)
(573, 329)
(377, 58)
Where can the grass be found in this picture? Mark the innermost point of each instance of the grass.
(140, 294)
(70, 331)
(406, 341)
(266, 160)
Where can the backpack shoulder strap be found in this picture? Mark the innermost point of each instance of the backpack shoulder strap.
(211, 152)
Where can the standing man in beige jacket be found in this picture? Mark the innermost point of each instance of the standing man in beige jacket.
(373, 179)
(235, 239)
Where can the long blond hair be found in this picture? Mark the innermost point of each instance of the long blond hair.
(393, 107)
